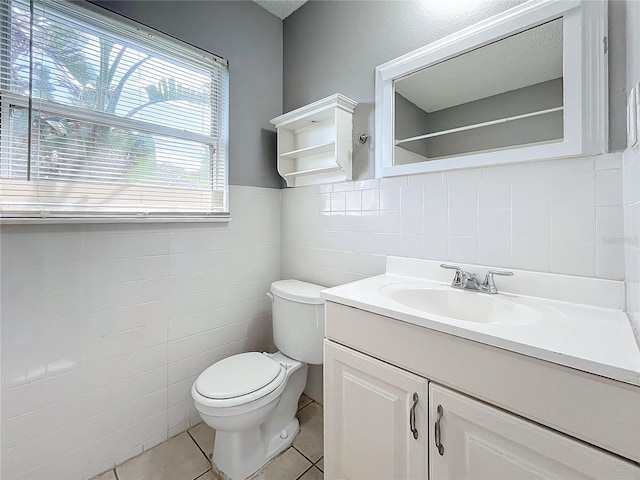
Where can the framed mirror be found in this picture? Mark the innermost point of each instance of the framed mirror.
(527, 84)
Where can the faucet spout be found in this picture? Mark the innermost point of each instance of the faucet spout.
(469, 281)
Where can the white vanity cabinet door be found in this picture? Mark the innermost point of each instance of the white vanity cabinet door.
(367, 417)
(483, 442)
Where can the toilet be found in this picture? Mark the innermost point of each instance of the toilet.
(251, 399)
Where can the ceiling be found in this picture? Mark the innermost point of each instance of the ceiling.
(281, 8)
(531, 57)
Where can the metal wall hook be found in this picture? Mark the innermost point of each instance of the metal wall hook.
(362, 139)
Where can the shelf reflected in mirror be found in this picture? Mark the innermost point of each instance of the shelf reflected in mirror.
(502, 95)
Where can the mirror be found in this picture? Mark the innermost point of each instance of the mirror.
(495, 97)
(527, 84)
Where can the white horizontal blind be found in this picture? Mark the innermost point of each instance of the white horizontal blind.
(121, 120)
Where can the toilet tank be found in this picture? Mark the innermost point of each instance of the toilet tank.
(298, 320)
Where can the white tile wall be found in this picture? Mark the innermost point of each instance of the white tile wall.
(631, 182)
(560, 216)
(105, 327)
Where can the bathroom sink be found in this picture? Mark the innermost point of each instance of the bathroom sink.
(463, 305)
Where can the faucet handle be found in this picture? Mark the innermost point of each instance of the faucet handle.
(489, 286)
(451, 267)
(457, 279)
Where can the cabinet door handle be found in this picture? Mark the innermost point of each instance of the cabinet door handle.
(412, 416)
(437, 437)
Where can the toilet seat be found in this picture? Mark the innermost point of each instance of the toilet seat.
(240, 379)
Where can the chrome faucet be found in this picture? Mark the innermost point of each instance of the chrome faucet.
(469, 281)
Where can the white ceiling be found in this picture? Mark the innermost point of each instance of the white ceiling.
(281, 8)
(531, 57)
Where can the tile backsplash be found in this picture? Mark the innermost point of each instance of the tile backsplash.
(631, 184)
(560, 216)
(105, 327)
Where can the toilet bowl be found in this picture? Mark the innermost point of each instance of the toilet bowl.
(251, 398)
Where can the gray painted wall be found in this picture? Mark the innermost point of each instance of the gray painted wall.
(334, 46)
(617, 75)
(633, 42)
(529, 130)
(411, 121)
(251, 39)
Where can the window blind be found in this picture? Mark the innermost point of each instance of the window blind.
(101, 117)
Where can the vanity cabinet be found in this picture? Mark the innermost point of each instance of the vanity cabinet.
(315, 142)
(481, 441)
(503, 415)
(375, 418)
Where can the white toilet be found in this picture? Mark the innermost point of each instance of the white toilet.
(251, 399)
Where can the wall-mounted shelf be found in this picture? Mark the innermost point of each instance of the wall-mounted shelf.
(480, 125)
(313, 171)
(310, 151)
(314, 142)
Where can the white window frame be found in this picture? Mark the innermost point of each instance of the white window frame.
(103, 213)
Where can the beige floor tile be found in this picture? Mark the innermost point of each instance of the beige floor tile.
(106, 476)
(310, 439)
(203, 434)
(320, 464)
(288, 466)
(176, 459)
(211, 476)
(303, 401)
(312, 474)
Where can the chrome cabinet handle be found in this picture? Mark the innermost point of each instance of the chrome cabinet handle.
(412, 416)
(439, 445)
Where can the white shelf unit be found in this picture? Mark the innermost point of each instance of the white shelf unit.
(314, 142)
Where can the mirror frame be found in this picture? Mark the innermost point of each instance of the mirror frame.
(584, 78)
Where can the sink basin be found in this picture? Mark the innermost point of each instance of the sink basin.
(462, 305)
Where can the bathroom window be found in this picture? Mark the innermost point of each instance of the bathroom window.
(104, 118)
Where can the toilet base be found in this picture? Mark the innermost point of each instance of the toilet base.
(239, 455)
(278, 444)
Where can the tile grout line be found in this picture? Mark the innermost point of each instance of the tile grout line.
(304, 473)
(313, 464)
(306, 458)
(202, 475)
(310, 403)
(205, 456)
(210, 460)
(115, 474)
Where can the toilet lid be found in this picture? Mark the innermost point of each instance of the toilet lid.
(237, 375)
(297, 291)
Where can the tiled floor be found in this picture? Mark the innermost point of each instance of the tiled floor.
(187, 456)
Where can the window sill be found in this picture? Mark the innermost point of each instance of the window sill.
(80, 220)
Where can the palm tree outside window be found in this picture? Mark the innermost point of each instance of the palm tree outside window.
(100, 117)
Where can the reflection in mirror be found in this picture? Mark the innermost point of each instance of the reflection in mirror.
(508, 93)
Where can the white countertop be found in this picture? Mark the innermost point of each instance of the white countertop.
(590, 338)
